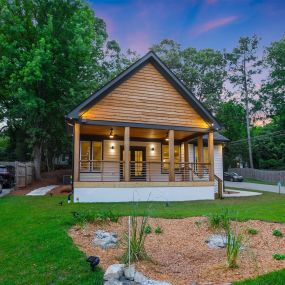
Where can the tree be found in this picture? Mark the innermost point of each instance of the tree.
(232, 116)
(51, 54)
(243, 66)
(274, 87)
(202, 71)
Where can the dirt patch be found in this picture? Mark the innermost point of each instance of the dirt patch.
(48, 178)
(181, 256)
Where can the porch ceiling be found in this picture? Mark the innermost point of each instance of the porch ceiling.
(142, 133)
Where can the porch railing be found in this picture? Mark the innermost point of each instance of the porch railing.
(150, 171)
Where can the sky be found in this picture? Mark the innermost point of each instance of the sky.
(217, 24)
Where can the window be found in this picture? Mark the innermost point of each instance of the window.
(205, 154)
(165, 157)
(90, 156)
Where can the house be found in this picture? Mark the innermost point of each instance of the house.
(144, 136)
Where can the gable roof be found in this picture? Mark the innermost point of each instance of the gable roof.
(150, 57)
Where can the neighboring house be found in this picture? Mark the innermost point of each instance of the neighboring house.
(144, 136)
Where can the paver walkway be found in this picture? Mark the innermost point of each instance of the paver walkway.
(255, 186)
(41, 191)
(237, 194)
(5, 192)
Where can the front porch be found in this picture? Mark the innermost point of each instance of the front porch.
(153, 163)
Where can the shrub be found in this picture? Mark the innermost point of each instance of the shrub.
(82, 218)
(107, 216)
(233, 248)
(148, 229)
(252, 231)
(158, 230)
(220, 220)
(277, 233)
(279, 256)
(137, 240)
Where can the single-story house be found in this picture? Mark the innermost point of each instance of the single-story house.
(145, 137)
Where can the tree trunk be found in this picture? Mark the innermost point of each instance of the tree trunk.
(247, 116)
(37, 161)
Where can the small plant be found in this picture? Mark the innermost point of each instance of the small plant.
(252, 231)
(158, 230)
(277, 233)
(233, 248)
(107, 216)
(82, 218)
(148, 229)
(278, 256)
(137, 240)
(220, 220)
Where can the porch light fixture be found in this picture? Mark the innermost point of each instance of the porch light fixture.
(152, 149)
(112, 147)
(111, 135)
(167, 137)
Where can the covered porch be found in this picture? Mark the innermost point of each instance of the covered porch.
(132, 156)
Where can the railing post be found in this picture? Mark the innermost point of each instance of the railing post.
(127, 150)
(76, 142)
(200, 155)
(211, 155)
(171, 156)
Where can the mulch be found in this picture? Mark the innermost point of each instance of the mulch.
(181, 256)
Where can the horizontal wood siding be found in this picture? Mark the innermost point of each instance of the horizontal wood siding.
(146, 97)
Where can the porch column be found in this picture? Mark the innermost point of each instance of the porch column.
(211, 155)
(171, 156)
(200, 155)
(127, 151)
(186, 160)
(76, 147)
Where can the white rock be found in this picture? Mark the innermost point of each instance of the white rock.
(114, 271)
(129, 272)
(217, 241)
(156, 282)
(140, 278)
(105, 239)
(113, 282)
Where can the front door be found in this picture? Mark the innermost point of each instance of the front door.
(137, 163)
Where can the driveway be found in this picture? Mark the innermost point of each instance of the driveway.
(255, 186)
(5, 192)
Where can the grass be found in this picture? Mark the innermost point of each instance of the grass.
(35, 247)
(258, 181)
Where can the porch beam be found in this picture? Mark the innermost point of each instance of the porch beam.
(127, 151)
(211, 155)
(171, 156)
(76, 151)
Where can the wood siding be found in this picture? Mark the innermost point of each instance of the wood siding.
(146, 97)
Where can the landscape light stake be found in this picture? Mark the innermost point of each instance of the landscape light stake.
(129, 241)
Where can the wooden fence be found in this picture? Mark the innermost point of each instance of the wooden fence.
(24, 172)
(266, 175)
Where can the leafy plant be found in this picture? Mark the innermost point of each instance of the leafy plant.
(137, 240)
(148, 229)
(252, 231)
(82, 218)
(278, 256)
(107, 216)
(277, 233)
(234, 243)
(158, 230)
(219, 220)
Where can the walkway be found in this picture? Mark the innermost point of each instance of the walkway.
(41, 191)
(255, 186)
(5, 192)
(238, 194)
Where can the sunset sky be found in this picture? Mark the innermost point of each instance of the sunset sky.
(137, 24)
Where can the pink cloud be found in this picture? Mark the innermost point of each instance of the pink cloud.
(138, 41)
(203, 28)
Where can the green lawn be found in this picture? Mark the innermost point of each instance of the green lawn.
(258, 181)
(35, 248)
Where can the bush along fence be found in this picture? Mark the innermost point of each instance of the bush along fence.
(24, 172)
(266, 175)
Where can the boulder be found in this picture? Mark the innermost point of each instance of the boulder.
(140, 278)
(105, 239)
(129, 272)
(114, 272)
(217, 241)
